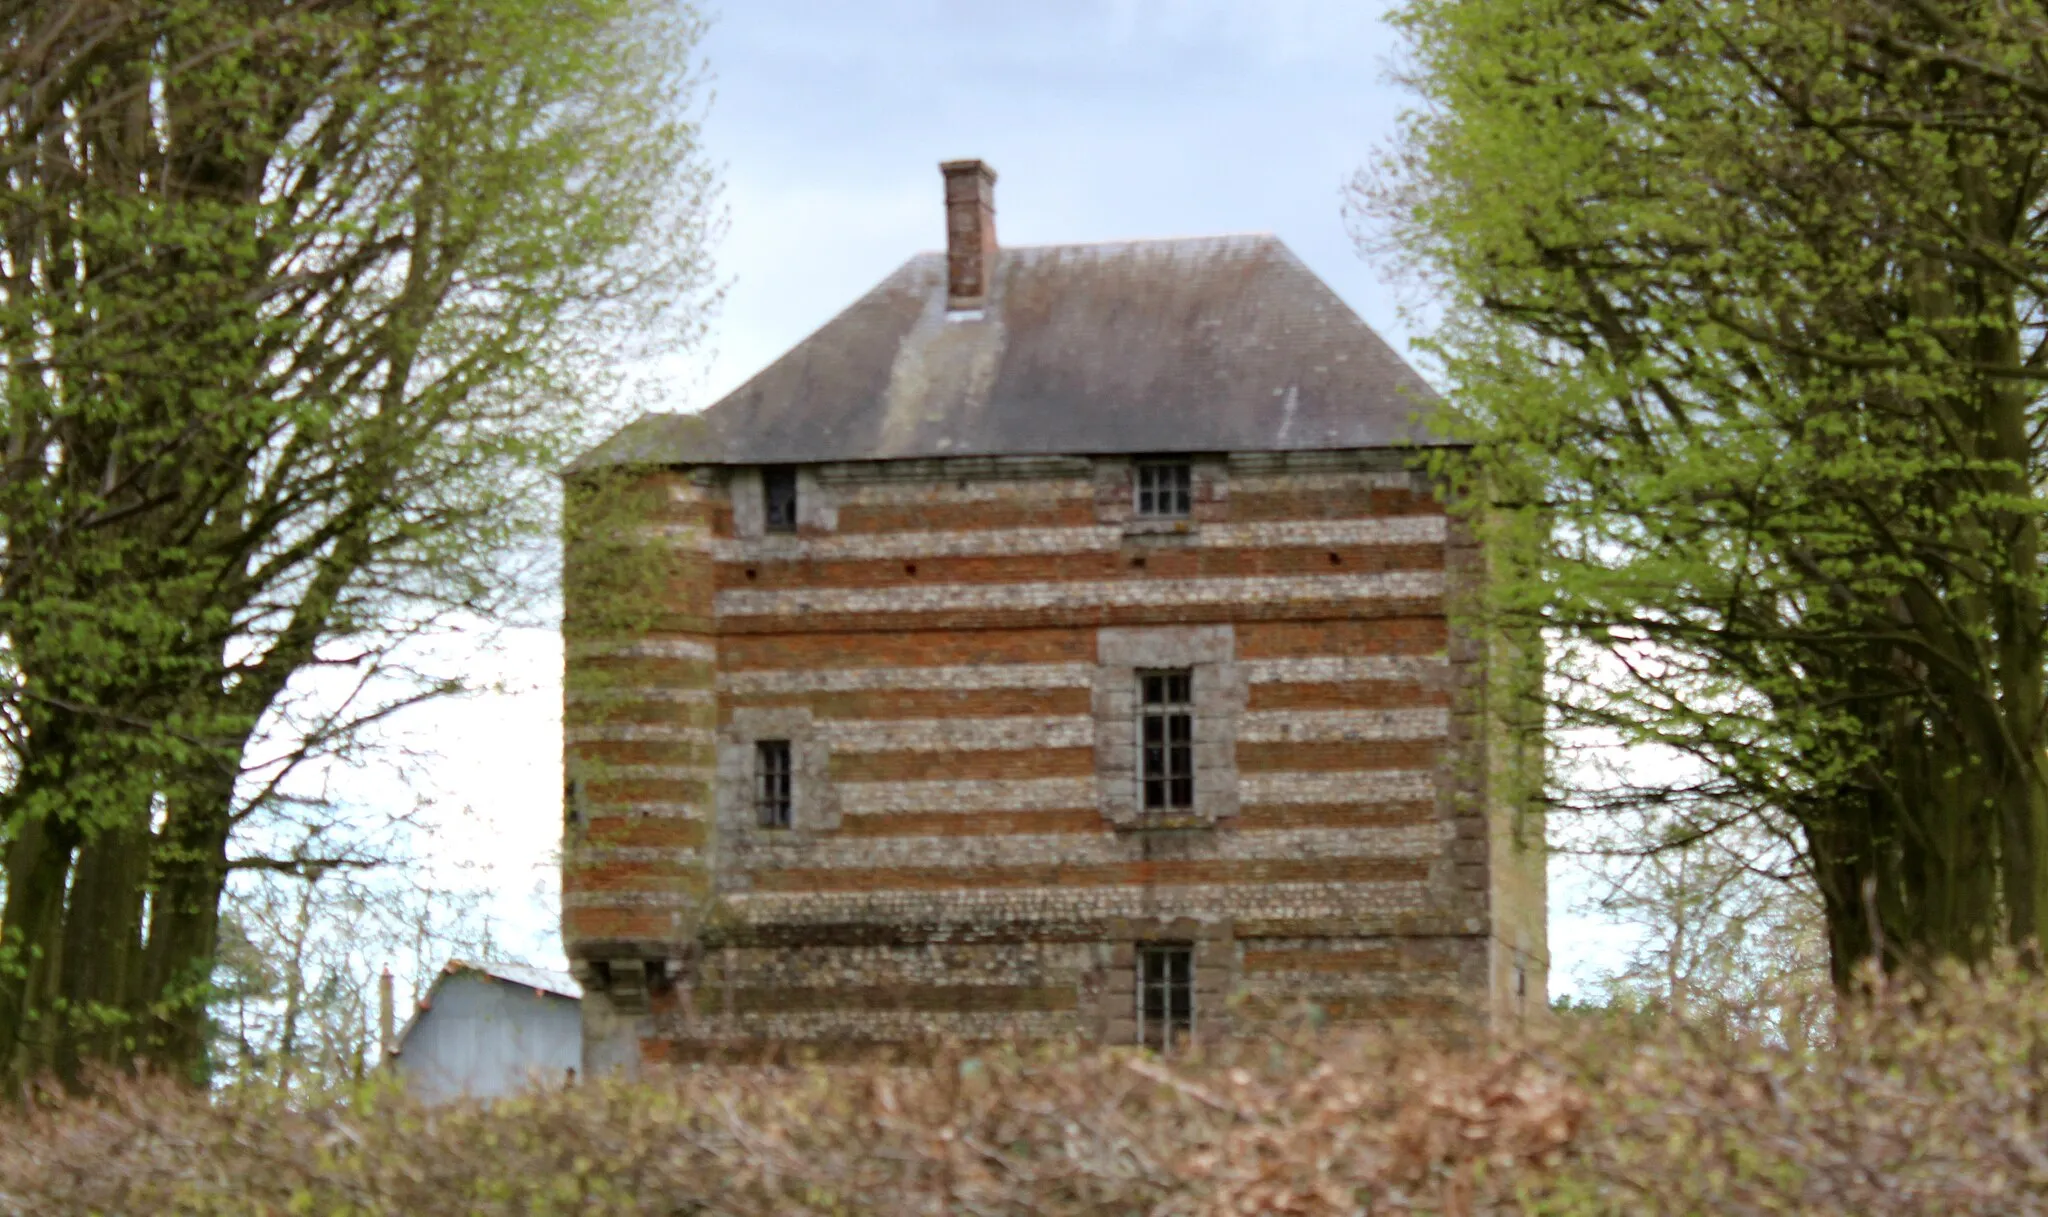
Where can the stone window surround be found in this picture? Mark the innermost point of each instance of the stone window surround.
(814, 805)
(1210, 652)
(1166, 980)
(816, 510)
(1161, 494)
(774, 784)
(1116, 494)
(1215, 971)
(777, 481)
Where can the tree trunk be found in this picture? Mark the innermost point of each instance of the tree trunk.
(38, 861)
(184, 925)
(102, 938)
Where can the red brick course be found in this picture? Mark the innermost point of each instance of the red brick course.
(1128, 874)
(817, 648)
(968, 517)
(1052, 568)
(875, 871)
(922, 703)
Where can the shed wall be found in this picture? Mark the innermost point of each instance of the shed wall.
(485, 1038)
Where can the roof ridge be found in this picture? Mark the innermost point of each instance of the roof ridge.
(513, 970)
(1183, 239)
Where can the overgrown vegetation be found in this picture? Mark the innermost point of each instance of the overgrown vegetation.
(1745, 321)
(296, 1002)
(1906, 1106)
(301, 306)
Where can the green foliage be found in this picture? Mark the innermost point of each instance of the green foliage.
(302, 307)
(1745, 330)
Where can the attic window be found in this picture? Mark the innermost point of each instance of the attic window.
(778, 491)
(1165, 490)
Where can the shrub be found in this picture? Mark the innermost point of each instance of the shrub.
(1912, 1105)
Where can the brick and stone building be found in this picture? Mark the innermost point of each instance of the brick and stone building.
(1055, 642)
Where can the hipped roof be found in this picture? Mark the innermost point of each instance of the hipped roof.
(1216, 344)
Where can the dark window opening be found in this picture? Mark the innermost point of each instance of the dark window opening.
(1166, 994)
(773, 783)
(1166, 733)
(1165, 489)
(778, 490)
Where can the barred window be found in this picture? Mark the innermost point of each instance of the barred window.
(1165, 489)
(773, 783)
(1166, 735)
(1166, 994)
(778, 490)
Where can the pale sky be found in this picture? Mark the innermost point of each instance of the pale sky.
(1103, 119)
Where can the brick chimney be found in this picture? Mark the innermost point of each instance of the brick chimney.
(970, 232)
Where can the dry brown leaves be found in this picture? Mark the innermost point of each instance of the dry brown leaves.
(1915, 1107)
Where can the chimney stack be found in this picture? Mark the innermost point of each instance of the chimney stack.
(970, 233)
(386, 1033)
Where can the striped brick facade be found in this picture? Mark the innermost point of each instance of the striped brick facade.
(949, 646)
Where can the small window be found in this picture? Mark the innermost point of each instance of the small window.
(1166, 994)
(1165, 490)
(778, 490)
(1166, 735)
(773, 784)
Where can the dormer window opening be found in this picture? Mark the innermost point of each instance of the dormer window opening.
(778, 490)
(1165, 490)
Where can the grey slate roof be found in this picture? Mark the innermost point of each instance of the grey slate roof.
(1217, 344)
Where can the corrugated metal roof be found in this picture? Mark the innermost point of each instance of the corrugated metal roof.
(1214, 344)
(560, 983)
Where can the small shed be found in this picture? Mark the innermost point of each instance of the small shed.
(485, 1030)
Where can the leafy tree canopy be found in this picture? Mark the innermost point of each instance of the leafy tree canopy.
(1746, 332)
(300, 305)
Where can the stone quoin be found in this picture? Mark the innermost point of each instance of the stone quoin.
(1056, 642)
